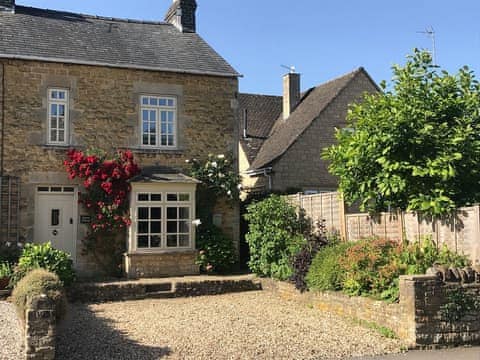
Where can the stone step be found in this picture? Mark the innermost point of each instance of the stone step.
(160, 295)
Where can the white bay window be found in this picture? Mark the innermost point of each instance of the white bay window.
(162, 216)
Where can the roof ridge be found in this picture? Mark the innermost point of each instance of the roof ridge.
(96, 17)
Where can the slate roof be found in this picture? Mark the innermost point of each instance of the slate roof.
(163, 174)
(47, 35)
(262, 112)
(285, 132)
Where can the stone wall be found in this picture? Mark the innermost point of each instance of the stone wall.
(40, 329)
(419, 318)
(425, 298)
(147, 265)
(104, 113)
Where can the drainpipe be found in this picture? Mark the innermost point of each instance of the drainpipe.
(2, 121)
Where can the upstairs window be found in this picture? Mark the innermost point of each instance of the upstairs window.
(57, 116)
(158, 121)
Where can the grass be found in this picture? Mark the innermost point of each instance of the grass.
(382, 330)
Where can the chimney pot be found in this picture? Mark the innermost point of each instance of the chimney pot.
(182, 15)
(291, 93)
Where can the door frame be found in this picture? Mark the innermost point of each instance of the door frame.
(74, 211)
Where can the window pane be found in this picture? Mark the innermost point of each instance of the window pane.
(142, 241)
(163, 116)
(153, 101)
(145, 100)
(61, 123)
(170, 116)
(153, 115)
(170, 129)
(155, 227)
(144, 114)
(172, 227)
(164, 140)
(184, 240)
(53, 109)
(61, 135)
(171, 213)
(163, 128)
(156, 197)
(170, 102)
(142, 227)
(172, 197)
(153, 140)
(143, 213)
(54, 94)
(61, 110)
(155, 241)
(145, 139)
(183, 227)
(53, 122)
(172, 240)
(156, 213)
(162, 102)
(184, 197)
(184, 213)
(142, 197)
(53, 135)
(170, 140)
(61, 94)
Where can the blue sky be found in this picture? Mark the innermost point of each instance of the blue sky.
(322, 38)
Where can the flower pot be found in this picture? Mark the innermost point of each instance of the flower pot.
(4, 281)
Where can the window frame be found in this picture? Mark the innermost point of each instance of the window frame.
(164, 204)
(66, 103)
(158, 122)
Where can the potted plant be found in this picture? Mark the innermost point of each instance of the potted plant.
(5, 274)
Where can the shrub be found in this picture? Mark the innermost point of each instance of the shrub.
(303, 259)
(44, 256)
(216, 250)
(35, 283)
(325, 272)
(10, 251)
(5, 270)
(274, 236)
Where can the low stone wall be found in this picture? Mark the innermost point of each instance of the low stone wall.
(420, 318)
(214, 287)
(40, 329)
(148, 265)
(441, 313)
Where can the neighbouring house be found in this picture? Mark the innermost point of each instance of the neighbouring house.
(79, 81)
(282, 137)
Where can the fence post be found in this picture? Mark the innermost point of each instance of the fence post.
(342, 216)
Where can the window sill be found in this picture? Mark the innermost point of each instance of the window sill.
(146, 150)
(159, 252)
(58, 146)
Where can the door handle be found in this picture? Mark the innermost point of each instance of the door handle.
(54, 232)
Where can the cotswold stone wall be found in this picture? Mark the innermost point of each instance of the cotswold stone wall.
(104, 113)
(40, 329)
(161, 264)
(420, 318)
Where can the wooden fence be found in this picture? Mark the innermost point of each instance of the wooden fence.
(460, 232)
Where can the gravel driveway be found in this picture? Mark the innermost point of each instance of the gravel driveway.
(11, 345)
(252, 325)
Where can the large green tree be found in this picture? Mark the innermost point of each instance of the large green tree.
(415, 145)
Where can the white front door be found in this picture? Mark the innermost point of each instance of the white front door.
(55, 218)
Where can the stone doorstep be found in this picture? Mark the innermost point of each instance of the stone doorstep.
(162, 288)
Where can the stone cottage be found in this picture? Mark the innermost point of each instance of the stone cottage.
(282, 137)
(78, 81)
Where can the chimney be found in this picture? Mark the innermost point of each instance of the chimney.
(291, 92)
(7, 6)
(182, 15)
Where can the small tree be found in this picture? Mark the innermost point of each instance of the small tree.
(414, 146)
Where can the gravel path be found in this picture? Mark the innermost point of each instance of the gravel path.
(11, 345)
(251, 325)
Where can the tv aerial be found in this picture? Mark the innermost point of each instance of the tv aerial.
(291, 69)
(430, 32)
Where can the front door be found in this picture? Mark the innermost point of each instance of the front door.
(55, 217)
